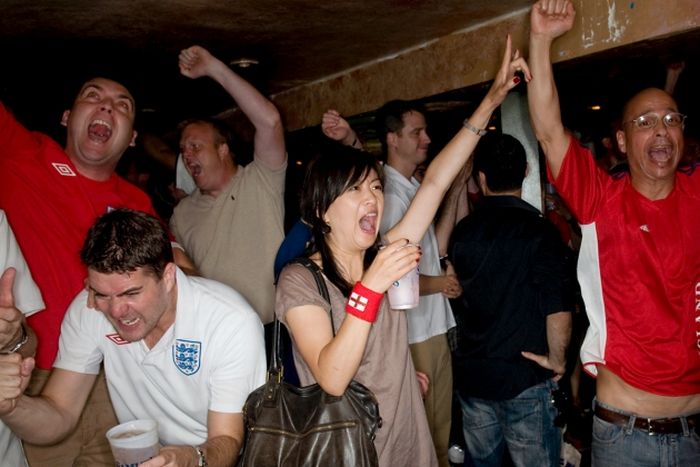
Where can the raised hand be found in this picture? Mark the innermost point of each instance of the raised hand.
(507, 78)
(552, 18)
(10, 316)
(337, 128)
(196, 62)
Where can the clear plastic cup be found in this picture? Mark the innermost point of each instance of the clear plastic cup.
(404, 293)
(134, 442)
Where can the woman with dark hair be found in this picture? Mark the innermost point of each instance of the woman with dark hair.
(342, 201)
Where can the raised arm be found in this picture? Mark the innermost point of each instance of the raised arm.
(549, 19)
(269, 134)
(446, 165)
(337, 128)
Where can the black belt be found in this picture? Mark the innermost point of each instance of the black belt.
(650, 425)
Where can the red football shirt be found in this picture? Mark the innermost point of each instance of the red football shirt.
(50, 207)
(639, 270)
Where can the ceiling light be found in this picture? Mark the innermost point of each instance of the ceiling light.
(243, 62)
(595, 107)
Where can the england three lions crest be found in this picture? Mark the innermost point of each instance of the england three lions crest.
(187, 355)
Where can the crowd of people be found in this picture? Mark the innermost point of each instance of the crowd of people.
(109, 313)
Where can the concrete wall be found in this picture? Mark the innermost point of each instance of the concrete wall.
(472, 56)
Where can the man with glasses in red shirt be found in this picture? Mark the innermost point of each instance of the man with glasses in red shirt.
(639, 265)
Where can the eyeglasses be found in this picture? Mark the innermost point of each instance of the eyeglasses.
(649, 121)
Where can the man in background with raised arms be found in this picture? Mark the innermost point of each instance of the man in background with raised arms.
(233, 224)
(639, 265)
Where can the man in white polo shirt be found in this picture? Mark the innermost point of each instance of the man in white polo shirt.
(183, 351)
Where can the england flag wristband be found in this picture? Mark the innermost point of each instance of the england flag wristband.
(364, 303)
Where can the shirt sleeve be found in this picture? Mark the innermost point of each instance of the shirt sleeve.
(77, 346)
(297, 287)
(26, 294)
(241, 367)
(581, 183)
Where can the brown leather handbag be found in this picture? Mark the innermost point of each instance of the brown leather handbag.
(306, 427)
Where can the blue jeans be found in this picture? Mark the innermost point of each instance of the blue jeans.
(523, 424)
(626, 446)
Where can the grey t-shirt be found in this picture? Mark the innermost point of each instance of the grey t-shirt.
(386, 369)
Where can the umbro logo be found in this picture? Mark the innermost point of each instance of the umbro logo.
(63, 169)
(116, 338)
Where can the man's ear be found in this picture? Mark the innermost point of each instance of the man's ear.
(134, 134)
(621, 141)
(169, 275)
(64, 117)
(223, 151)
(391, 138)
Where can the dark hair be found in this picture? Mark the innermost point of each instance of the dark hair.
(124, 240)
(389, 118)
(336, 168)
(501, 158)
(222, 133)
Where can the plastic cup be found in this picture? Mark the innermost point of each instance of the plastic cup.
(133, 442)
(404, 293)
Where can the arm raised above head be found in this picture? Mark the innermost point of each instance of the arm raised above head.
(548, 20)
(196, 61)
(335, 127)
(447, 164)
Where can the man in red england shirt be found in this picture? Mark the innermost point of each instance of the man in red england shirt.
(52, 196)
(639, 265)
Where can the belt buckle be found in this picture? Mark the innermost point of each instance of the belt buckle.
(650, 427)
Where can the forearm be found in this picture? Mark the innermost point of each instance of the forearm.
(339, 361)
(558, 337)
(38, 421)
(452, 158)
(259, 110)
(220, 451)
(431, 284)
(543, 100)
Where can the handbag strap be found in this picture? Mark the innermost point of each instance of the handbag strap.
(276, 369)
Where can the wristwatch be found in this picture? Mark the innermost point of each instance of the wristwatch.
(201, 461)
(24, 337)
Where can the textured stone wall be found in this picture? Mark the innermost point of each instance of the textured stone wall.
(472, 56)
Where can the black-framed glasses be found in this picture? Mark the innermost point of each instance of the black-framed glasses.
(650, 120)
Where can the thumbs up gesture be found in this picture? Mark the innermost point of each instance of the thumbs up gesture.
(10, 316)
